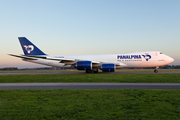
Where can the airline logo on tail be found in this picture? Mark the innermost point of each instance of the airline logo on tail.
(29, 48)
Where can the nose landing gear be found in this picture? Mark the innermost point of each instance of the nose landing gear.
(156, 70)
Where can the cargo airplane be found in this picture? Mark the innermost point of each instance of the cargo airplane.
(92, 63)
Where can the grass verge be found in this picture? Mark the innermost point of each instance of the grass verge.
(116, 78)
(90, 104)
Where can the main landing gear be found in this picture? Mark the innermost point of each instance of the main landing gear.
(92, 71)
(156, 70)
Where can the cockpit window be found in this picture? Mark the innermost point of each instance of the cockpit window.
(161, 53)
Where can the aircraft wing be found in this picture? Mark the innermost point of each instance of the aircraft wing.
(67, 61)
(62, 60)
(43, 57)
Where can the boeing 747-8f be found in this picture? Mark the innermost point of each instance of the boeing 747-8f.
(92, 63)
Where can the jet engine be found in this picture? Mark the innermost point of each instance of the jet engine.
(108, 67)
(84, 65)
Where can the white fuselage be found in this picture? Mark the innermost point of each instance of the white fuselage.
(132, 60)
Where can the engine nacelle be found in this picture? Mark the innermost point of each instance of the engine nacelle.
(84, 65)
(108, 67)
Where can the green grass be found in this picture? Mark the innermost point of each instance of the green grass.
(90, 104)
(117, 78)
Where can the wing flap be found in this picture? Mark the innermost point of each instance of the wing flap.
(61, 59)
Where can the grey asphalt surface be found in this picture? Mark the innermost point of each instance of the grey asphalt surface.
(89, 85)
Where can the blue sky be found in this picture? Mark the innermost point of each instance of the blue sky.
(60, 27)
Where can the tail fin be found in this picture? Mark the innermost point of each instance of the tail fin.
(29, 48)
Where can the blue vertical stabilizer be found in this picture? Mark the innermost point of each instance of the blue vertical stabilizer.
(29, 48)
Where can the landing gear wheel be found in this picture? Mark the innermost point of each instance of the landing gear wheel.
(88, 71)
(92, 71)
(156, 71)
(95, 70)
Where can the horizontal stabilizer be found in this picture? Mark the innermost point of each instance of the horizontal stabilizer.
(24, 57)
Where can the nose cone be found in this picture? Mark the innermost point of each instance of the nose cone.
(169, 60)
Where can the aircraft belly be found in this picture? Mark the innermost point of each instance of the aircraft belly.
(152, 63)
